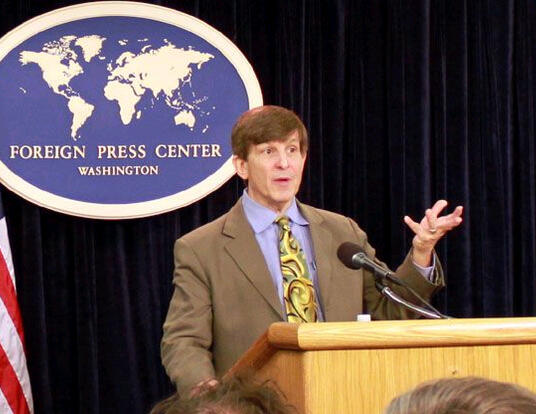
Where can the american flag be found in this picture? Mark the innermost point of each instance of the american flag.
(15, 391)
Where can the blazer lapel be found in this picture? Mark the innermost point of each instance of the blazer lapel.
(245, 251)
(323, 250)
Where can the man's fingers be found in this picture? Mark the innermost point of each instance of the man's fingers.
(415, 227)
(431, 218)
(203, 386)
(438, 207)
(458, 211)
(452, 220)
(435, 225)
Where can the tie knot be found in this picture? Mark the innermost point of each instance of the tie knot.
(283, 222)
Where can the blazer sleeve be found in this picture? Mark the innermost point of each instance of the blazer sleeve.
(187, 336)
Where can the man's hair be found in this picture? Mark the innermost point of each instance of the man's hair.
(231, 396)
(264, 124)
(467, 395)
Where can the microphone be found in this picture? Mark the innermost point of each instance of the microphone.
(353, 256)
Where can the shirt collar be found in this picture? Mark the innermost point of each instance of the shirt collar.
(260, 217)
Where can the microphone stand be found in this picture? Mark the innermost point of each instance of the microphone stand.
(387, 292)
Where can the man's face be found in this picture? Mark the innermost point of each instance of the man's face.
(274, 171)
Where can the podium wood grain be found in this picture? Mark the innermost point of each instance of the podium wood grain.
(358, 367)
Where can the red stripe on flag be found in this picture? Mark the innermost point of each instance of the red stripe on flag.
(10, 386)
(9, 297)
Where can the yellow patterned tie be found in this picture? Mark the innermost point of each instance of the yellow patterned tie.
(299, 293)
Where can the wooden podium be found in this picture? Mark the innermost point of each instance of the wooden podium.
(358, 367)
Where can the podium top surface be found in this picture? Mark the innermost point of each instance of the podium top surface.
(401, 334)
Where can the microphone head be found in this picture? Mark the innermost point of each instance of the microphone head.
(346, 253)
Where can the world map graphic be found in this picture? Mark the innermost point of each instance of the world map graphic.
(160, 72)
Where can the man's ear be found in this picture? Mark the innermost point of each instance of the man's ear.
(241, 167)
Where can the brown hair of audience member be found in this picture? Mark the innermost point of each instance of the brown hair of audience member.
(264, 124)
(231, 396)
(467, 395)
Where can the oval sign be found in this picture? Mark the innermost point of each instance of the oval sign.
(118, 110)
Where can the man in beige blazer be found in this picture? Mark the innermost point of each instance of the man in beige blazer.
(226, 289)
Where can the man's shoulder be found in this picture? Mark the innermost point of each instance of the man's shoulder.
(335, 223)
(313, 213)
(211, 230)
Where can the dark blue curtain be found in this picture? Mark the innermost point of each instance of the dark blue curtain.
(406, 102)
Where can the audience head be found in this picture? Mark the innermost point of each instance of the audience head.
(468, 395)
(231, 396)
